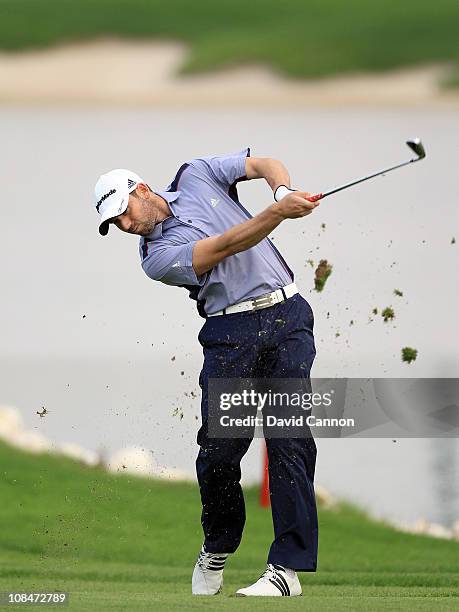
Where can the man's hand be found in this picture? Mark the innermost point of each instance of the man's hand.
(295, 204)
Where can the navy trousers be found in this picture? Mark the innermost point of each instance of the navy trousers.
(275, 342)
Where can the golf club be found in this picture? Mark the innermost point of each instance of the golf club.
(415, 145)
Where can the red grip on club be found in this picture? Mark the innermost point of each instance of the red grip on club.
(315, 198)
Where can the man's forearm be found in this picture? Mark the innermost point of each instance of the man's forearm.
(209, 252)
(272, 170)
(276, 174)
(245, 235)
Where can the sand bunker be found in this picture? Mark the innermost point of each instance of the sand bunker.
(128, 73)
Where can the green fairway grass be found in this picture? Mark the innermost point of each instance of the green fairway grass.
(300, 38)
(125, 543)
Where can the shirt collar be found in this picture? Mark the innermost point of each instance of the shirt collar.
(169, 196)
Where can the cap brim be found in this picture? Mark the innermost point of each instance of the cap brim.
(104, 227)
(111, 213)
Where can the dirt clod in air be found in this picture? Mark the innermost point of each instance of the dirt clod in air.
(42, 413)
(323, 226)
(409, 354)
(173, 358)
(351, 322)
(453, 240)
(323, 271)
(388, 314)
(398, 292)
(310, 262)
(375, 311)
(178, 412)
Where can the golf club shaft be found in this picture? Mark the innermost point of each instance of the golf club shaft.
(320, 196)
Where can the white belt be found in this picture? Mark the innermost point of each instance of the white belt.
(262, 301)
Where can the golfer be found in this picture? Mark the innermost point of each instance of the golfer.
(196, 234)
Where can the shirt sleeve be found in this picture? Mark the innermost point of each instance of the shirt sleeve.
(171, 264)
(227, 169)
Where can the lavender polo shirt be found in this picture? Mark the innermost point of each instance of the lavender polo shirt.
(204, 202)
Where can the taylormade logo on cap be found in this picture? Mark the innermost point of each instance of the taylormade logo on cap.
(111, 195)
(104, 197)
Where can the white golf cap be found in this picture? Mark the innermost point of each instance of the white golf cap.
(111, 194)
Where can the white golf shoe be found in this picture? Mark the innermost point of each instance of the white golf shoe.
(208, 573)
(276, 581)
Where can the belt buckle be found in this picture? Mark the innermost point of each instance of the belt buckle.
(262, 301)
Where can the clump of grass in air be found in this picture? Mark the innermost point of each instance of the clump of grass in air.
(409, 354)
(323, 271)
(388, 314)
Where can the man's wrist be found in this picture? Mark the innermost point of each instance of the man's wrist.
(275, 212)
(281, 191)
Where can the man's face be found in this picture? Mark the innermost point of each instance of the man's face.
(141, 215)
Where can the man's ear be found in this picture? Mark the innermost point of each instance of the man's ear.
(142, 191)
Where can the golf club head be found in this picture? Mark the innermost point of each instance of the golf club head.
(416, 145)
